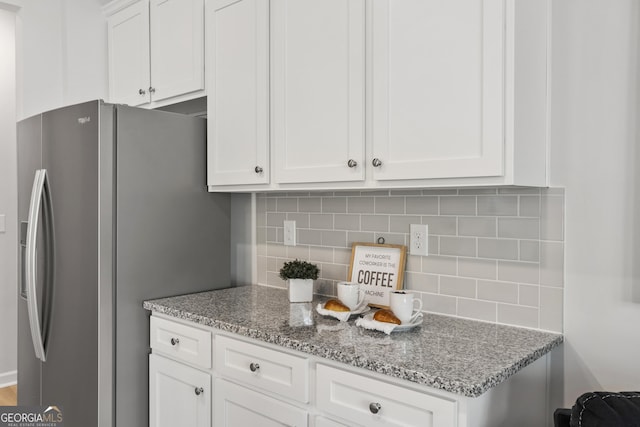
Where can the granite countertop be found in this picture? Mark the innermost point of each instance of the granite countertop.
(457, 355)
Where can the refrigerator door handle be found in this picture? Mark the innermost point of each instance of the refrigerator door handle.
(31, 264)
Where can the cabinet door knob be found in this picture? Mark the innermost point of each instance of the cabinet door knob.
(376, 162)
(352, 163)
(254, 367)
(152, 89)
(375, 407)
(258, 169)
(175, 341)
(199, 391)
(142, 91)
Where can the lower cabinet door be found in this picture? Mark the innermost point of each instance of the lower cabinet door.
(369, 402)
(236, 406)
(179, 395)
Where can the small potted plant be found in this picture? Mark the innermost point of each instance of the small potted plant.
(300, 276)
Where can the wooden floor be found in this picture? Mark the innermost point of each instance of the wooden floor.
(8, 396)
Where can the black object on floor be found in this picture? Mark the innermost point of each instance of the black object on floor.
(601, 409)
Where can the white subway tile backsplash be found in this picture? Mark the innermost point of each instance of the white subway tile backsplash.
(359, 236)
(498, 205)
(346, 222)
(334, 238)
(477, 226)
(374, 222)
(552, 263)
(440, 265)
(401, 223)
(301, 219)
(458, 286)
(441, 225)
(495, 254)
(441, 304)
(458, 205)
(424, 205)
(321, 221)
(516, 271)
(551, 308)
(551, 218)
(334, 204)
(518, 228)
(458, 246)
(360, 204)
(477, 268)
(476, 309)
(389, 205)
(491, 290)
(310, 204)
(498, 248)
(421, 282)
(530, 206)
(342, 256)
(287, 205)
(320, 254)
(530, 250)
(518, 315)
(528, 295)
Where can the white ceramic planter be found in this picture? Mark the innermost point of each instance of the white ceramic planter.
(300, 290)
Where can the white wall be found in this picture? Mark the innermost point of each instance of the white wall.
(596, 156)
(8, 205)
(62, 54)
(61, 59)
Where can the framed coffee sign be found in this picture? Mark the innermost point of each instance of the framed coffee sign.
(378, 269)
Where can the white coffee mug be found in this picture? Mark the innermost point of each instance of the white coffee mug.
(350, 294)
(403, 305)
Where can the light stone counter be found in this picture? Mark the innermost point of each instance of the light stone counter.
(460, 356)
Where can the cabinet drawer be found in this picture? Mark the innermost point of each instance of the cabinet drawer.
(236, 406)
(350, 396)
(181, 342)
(261, 367)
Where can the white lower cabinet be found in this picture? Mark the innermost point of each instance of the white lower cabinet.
(179, 395)
(262, 385)
(370, 402)
(237, 406)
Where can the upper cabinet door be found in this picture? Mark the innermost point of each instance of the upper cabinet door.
(129, 79)
(177, 47)
(437, 88)
(238, 91)
(318, 98)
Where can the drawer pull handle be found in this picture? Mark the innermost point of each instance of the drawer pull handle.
(258, 169)
(352, 163)
(376, 162)
(375, 407)
(175, 341)
(254, 367)
(199, 391)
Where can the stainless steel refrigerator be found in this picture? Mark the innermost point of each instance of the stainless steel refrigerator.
(113, 210)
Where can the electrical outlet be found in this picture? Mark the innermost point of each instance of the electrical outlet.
(290, 233)
(419, 239)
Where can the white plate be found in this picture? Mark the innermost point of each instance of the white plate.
(400, 328)
(358, 311)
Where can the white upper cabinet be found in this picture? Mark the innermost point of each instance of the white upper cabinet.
(237, 43)
(156, 51)
(437, 89)
(390, 94)
(318, 90)
(129, 79)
